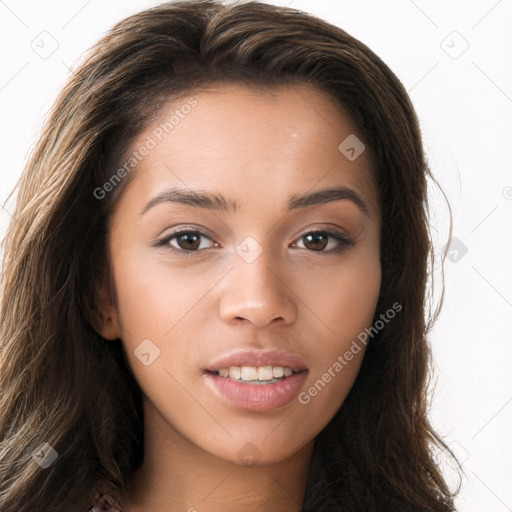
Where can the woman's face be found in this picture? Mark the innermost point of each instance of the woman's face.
(270, 274)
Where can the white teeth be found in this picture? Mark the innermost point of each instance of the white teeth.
(234, 372)
(249, 373)
(278, 372)
(265, 373)
(255, 373)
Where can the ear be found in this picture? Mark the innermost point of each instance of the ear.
(108, 326)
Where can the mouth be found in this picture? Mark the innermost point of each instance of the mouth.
(257, 375)
(258, 381)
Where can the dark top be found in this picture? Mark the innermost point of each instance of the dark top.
(104, 503)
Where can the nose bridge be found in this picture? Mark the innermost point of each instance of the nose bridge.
(255, 291)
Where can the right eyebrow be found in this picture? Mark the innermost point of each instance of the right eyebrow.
(195, 198)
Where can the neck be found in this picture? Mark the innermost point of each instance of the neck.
(177, 475)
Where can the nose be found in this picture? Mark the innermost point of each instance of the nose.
(257, 293)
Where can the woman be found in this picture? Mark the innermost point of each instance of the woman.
(213, 290)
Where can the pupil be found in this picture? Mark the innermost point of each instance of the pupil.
(191, 239)
(317, 241)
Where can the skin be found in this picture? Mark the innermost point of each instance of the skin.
(256, 148)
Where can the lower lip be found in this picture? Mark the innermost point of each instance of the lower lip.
(257, 397)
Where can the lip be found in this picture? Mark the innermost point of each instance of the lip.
(263, 397)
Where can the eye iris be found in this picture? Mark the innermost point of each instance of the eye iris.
(193, 241)
(317, 241)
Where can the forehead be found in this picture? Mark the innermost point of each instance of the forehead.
(245, 138)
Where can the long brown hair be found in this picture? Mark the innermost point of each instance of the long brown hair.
(61, 383)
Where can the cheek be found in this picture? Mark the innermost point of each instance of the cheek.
(153, 297)
(341, 307)
(349, 302)
(341, 299)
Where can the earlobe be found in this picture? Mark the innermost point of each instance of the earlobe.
(108, 326)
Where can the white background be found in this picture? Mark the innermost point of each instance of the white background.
(464, 100)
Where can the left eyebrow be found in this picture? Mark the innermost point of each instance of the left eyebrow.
(215, 201)
(328, 195)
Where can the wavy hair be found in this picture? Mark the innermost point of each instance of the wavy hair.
(61, 383)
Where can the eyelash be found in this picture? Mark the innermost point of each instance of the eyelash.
(345, 241)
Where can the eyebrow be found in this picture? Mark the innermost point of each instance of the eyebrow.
(215, 201)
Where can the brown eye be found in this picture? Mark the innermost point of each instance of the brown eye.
(188, 241)
(315, 241)
(324, 241)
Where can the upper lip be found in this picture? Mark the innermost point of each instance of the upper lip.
(258, 358)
